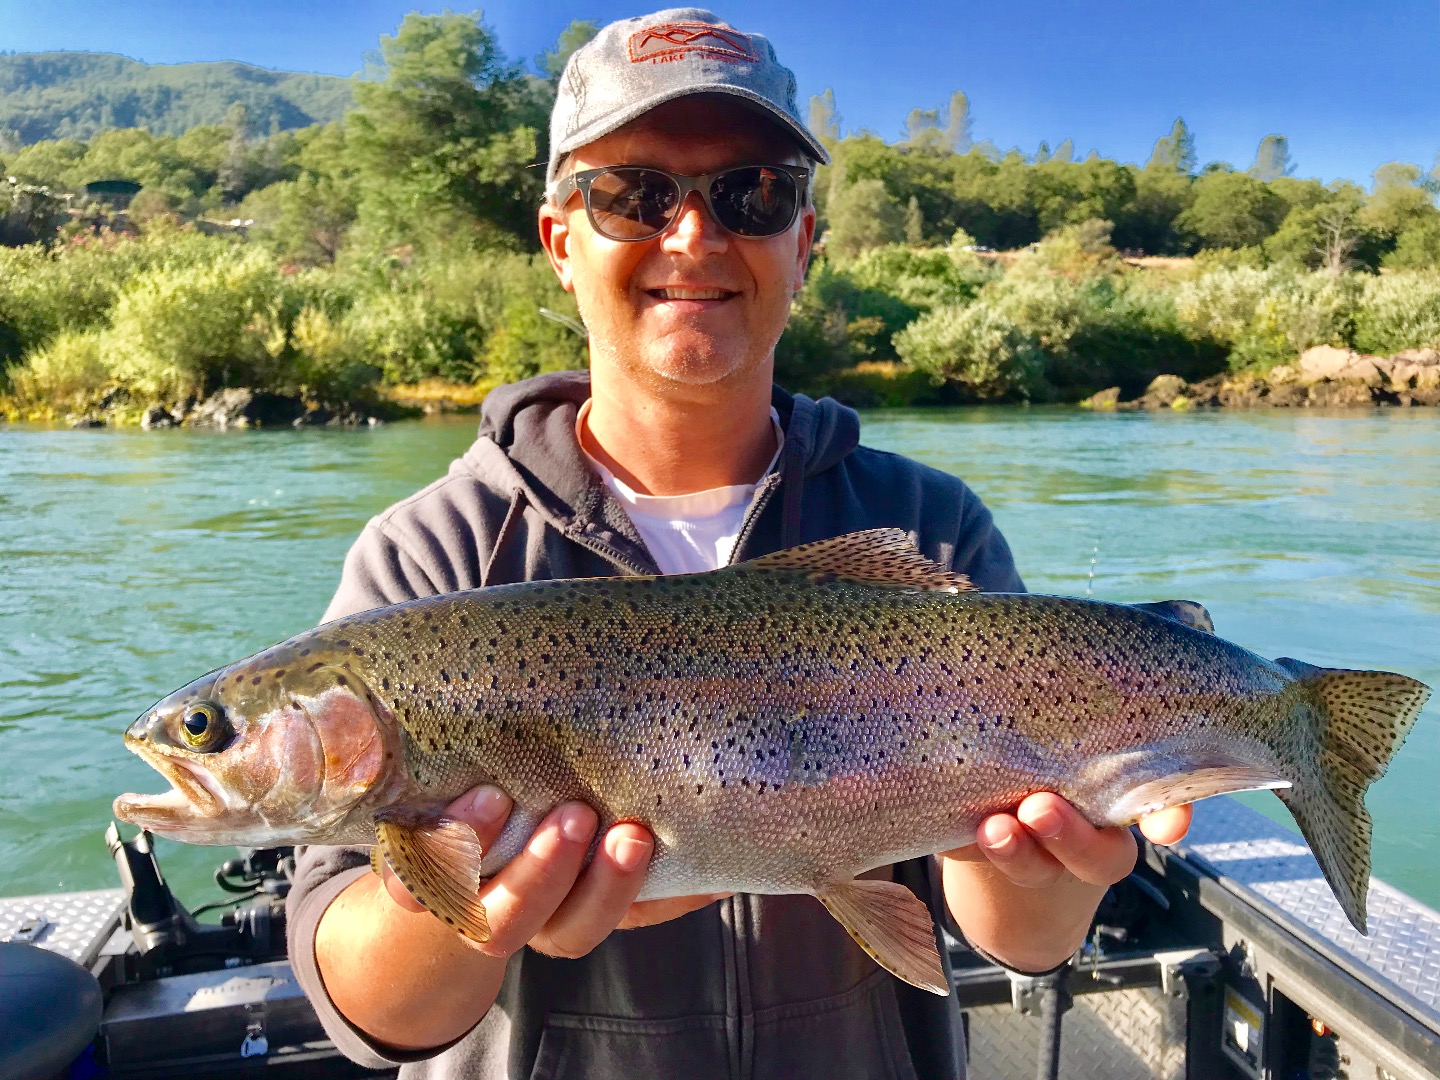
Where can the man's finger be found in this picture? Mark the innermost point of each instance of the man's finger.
(1014, 852)
(1096, 856)
(602, 896)
(485, 809)
(1167, 826)
(523, 896)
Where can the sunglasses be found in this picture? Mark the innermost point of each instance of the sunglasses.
(636, 202)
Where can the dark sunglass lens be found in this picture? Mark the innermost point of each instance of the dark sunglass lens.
(631, 204)
(755, 201)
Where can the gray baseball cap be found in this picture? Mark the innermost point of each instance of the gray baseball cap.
(633, 65)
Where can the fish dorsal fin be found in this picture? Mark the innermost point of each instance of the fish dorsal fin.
(437, 859)
(1187, 612)
(891, 924)
(874, 557)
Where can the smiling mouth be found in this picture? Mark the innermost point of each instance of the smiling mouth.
(691, 294)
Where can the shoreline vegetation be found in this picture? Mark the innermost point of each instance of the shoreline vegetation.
(385, 264)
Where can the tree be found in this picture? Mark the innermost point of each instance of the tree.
(1272, 159)
(578, 33)
(958, 136)
(1176, 150)
(1148, 222)
(1399, 200)
(1327, 233)
(914, 222)
(922, 129)
(1232, 210)
(863, 215)
(435, 145)
(824, 118)
(1065, 151)
(234, 173)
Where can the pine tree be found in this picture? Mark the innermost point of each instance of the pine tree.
(1272, 159)
(824, 118)
(958, 135)
(1176, 150)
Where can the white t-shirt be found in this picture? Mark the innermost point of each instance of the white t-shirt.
(691, 532)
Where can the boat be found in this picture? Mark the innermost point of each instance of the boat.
(1225, 957)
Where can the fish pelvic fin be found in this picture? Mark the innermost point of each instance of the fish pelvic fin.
(891, 924)
(885, 557)
(437, 859)
(1360, 719)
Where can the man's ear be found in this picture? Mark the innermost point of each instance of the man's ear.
(805, 242)
(555, 239)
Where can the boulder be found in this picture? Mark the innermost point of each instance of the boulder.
(156, 416)
(241, 407)
(1281, 374)
(1164, 389)
(1419, 357)
(1339, 365)
(1105, 399)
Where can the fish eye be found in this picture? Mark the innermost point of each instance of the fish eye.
(205, 728)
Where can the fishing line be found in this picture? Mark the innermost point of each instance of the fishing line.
(1090, 581)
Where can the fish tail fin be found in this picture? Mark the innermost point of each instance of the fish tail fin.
(1360, 719)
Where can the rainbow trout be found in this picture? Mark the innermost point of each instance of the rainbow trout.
(781, 726)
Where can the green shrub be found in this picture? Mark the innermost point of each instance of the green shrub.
(923, 279)
(190, 330)
(1417, 248)
(67, 374)
(1399, 311)
(977, 346)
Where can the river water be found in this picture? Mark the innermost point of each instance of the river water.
(131, 562)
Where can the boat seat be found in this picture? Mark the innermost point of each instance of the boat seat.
(50, 1010)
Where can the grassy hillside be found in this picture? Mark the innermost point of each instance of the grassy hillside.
(74, 95)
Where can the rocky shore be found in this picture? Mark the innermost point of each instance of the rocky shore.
(232, 408)
(1322, 377)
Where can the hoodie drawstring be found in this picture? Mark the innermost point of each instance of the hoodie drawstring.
(508, 528)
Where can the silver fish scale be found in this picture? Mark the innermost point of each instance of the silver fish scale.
(777, 730)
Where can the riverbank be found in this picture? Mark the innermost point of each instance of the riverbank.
(1322, 377)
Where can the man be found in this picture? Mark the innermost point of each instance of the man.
(678, 214)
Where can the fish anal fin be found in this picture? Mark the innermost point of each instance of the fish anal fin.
(891, 924)
(1186, 612)
(1189, 787)
(884, 557)
(437, 859)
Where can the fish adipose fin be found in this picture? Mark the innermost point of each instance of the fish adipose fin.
(893, 926)
(437, 859)
(1360, 719)
(885, 557)
(1186, 612)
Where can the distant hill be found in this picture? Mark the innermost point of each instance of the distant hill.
(57, 95)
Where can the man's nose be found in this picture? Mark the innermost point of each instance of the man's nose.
(694, 231)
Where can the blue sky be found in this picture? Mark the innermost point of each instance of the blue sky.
(1351, 84)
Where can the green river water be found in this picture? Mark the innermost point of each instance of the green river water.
(131, 562)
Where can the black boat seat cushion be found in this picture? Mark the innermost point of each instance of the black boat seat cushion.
(49, 1011)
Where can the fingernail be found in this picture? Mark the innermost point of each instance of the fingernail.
(1047, 824)
(1001, 843)
(631, 854)
(490, 804)
(577, 823)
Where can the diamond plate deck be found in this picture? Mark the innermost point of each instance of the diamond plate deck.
(1125, 1035)
(1273, 869)
(73, 924)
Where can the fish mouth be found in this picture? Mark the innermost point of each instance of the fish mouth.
(191, 799)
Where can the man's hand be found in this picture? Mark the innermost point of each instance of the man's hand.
(1026, 890)
(546, 897)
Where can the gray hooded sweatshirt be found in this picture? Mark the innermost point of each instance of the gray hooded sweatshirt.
(749, 987)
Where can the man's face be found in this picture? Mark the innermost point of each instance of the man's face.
(695, 306)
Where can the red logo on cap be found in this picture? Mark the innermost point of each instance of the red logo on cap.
(674, 41)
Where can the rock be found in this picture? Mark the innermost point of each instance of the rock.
(1339, 365)
(157, 416)
(1289, 395)
(86, 422)
(1105, 399)
(1427, 378)
(241, 407)
(1281, 374)
(1330, 394)
(1164, 389)
(1419, 357)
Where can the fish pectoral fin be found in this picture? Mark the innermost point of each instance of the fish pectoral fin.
(437, 859)
(893, 926)
(1191, 785)
(885, 557)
